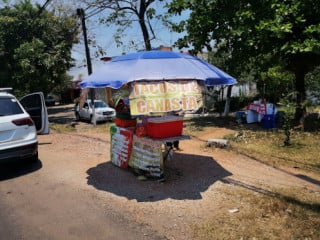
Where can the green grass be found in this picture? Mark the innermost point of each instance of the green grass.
(268, 147)
(69, 128)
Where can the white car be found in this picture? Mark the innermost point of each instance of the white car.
(20, 121)
(102, 111)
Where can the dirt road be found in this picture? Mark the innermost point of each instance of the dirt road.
(74, 192)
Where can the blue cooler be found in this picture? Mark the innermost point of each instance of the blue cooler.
(240, 117)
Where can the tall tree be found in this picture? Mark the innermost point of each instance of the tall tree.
(124, 13)
(269, 32)
(35, 47)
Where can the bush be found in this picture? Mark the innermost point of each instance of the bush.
(311, 122)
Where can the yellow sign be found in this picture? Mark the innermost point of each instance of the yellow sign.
(148, 98)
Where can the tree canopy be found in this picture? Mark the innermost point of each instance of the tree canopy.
(35, 47)
(265, 33)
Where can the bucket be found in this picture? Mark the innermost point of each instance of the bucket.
(269, 121)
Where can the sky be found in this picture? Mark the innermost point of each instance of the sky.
(104, 38)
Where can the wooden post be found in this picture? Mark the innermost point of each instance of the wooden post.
(109, 97)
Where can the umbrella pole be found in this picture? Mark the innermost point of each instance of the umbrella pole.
(92, 97)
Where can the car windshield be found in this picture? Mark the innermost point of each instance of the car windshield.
(100, 104)
(9, 106)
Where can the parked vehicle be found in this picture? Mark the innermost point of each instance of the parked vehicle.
(20, 121)
(102, 111)
(50, 101)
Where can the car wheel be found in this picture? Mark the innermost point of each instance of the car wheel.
(78, 116)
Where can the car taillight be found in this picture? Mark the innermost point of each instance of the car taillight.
(23, 121)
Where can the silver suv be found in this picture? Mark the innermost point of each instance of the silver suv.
(101, 109)
(20, 121)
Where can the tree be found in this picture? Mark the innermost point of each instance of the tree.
(35, 47)
(269, 33)
(124, 13)
(313, 86)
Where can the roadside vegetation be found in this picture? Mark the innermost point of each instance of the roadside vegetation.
(260, 213)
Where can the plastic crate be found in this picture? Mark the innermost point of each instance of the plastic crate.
(165, 127)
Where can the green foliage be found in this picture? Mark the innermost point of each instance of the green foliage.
(311, 122)
(275, 83)
(35, 47)
(256, 35)
(313, 85)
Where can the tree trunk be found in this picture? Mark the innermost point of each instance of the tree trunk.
(301, 94)
(143, 26)
(228, 99)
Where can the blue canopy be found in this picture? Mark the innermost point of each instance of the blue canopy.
(155, 65)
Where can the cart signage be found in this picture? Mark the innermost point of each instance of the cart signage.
(146, 156)
(165, 96)
(121, 144)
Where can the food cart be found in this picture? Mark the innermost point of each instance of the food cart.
(162, 85)
(148, 120)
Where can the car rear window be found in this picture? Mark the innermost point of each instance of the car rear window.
(9, 106)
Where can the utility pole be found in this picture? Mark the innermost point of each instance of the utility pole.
(81, 15)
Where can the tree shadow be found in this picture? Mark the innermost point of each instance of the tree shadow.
(186, 177)
(18, 167)
(308, 179)
(65, 114)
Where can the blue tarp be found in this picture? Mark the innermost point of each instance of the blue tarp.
(155, 65)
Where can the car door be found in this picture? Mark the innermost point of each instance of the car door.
(34, 104)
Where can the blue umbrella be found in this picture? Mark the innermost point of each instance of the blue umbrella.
(153, 66)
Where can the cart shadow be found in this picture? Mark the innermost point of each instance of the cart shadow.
(186, 177)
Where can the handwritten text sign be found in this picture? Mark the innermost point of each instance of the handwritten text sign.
(165, 96)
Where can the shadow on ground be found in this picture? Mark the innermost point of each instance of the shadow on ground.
(186, 177)
(18, 167)
(61, 114)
